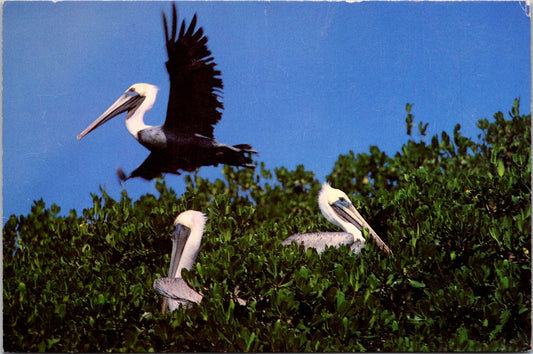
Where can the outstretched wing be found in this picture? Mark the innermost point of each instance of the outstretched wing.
(195, 85)
(154, 166)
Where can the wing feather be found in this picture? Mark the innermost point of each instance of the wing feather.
(194, 104)
(320, 240)
(176, 289)
(154, 166)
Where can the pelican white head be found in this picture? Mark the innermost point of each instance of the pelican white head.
(188, 230)
(339, 210)
(136, 100)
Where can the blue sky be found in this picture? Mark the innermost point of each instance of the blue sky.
(304, 82)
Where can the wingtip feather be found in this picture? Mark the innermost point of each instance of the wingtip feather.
(192, 26)
(182, 29)
(174, 20)
(165, 24)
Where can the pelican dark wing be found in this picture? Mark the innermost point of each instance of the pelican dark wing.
(195, 85)
(154, 166)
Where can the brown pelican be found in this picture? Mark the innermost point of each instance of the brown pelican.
(338, 209)
(185, 142)
(188, 231)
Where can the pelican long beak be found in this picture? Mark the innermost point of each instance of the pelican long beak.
(348, 213)
(127, 101)
(181, 235)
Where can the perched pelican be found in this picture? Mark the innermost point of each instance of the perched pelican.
(337, 209)
(188, 230)
(185, 142)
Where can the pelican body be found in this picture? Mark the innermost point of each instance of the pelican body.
(188, 230)
(185, 141)
(339, 210)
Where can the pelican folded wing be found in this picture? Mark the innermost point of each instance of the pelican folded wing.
(176, 289)
(319, 241)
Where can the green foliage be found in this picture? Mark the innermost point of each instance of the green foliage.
(456, 213)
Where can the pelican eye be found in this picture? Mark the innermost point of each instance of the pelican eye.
(131, 92)
(344, 202)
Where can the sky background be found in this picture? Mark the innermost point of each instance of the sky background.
(303, 83)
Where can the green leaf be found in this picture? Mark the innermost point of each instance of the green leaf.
(416, 284)
(500, 168)
(100, 299)
(394, 326)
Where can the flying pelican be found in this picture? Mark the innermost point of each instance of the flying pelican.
(338, 209)
(185, 142)
(188, 230)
